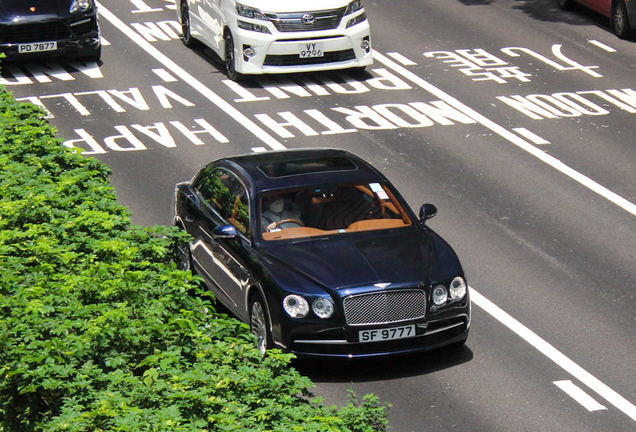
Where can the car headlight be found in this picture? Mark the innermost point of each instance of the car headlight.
(357, 20)
(322, 307)
(296, 306)
(249, 12)
(79, 6)
(253, 27)
(440, 295)
(458, 288)
(354, 6)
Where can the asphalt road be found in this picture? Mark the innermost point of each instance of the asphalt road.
(527, 151)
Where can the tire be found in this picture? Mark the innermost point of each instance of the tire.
(230, 58)
(259, 324)
(620, 21)
(186, 33)
(566, 4)
(185, 257)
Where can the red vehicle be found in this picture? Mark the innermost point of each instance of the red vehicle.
(622, 13)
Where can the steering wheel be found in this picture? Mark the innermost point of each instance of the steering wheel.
(289, 220)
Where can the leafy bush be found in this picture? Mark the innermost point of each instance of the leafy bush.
(98, 329)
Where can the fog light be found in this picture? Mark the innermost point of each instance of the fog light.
(249, 52)
(365, 45)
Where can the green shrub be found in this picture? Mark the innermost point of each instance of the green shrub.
(98, 329)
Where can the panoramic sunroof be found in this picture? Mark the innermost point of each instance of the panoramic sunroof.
(306, 166)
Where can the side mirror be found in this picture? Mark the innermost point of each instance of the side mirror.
(427, 211)
(224, 232)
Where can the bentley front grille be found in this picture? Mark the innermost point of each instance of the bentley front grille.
(385, 307)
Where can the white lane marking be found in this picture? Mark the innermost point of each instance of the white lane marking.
(104, 42)
(164, 75)
(192, 81)
(555, 355)
(508, 135)
(259, 149)
(602, 45)
(576, 393)
(142, 7)
(531, 136)
(402, 59)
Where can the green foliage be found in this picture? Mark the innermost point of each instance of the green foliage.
(98, 329)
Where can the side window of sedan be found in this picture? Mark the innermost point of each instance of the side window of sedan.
(214, 187)
(237, 212)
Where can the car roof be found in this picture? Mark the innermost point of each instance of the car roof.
(283, 169)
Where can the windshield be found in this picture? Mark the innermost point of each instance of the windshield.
(330, 209)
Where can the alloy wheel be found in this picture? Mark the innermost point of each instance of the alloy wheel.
(258, 326)
(186, 34)
(230, 59)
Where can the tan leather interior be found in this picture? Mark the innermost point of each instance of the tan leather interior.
(322, 200)
(300, 232)
(234, 219)
(239, 226)
(295, 232)
(374, 224)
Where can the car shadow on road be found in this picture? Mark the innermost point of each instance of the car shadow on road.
(380, 369)
(549, 11)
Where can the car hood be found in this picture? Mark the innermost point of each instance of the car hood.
(282, 6)
(350, 261)
(11, 9)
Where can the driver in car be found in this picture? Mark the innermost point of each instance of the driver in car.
(279, 209)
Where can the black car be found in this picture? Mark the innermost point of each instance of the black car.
(318, 252)
(44, 28)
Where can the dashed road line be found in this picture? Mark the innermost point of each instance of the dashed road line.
(576, 393)
(602, 45)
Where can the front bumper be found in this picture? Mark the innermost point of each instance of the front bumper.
(76, 38)
(437, 335)
(280, 52)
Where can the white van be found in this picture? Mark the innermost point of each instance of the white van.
(279, 36)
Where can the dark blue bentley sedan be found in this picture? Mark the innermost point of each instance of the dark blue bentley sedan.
(318, 252)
